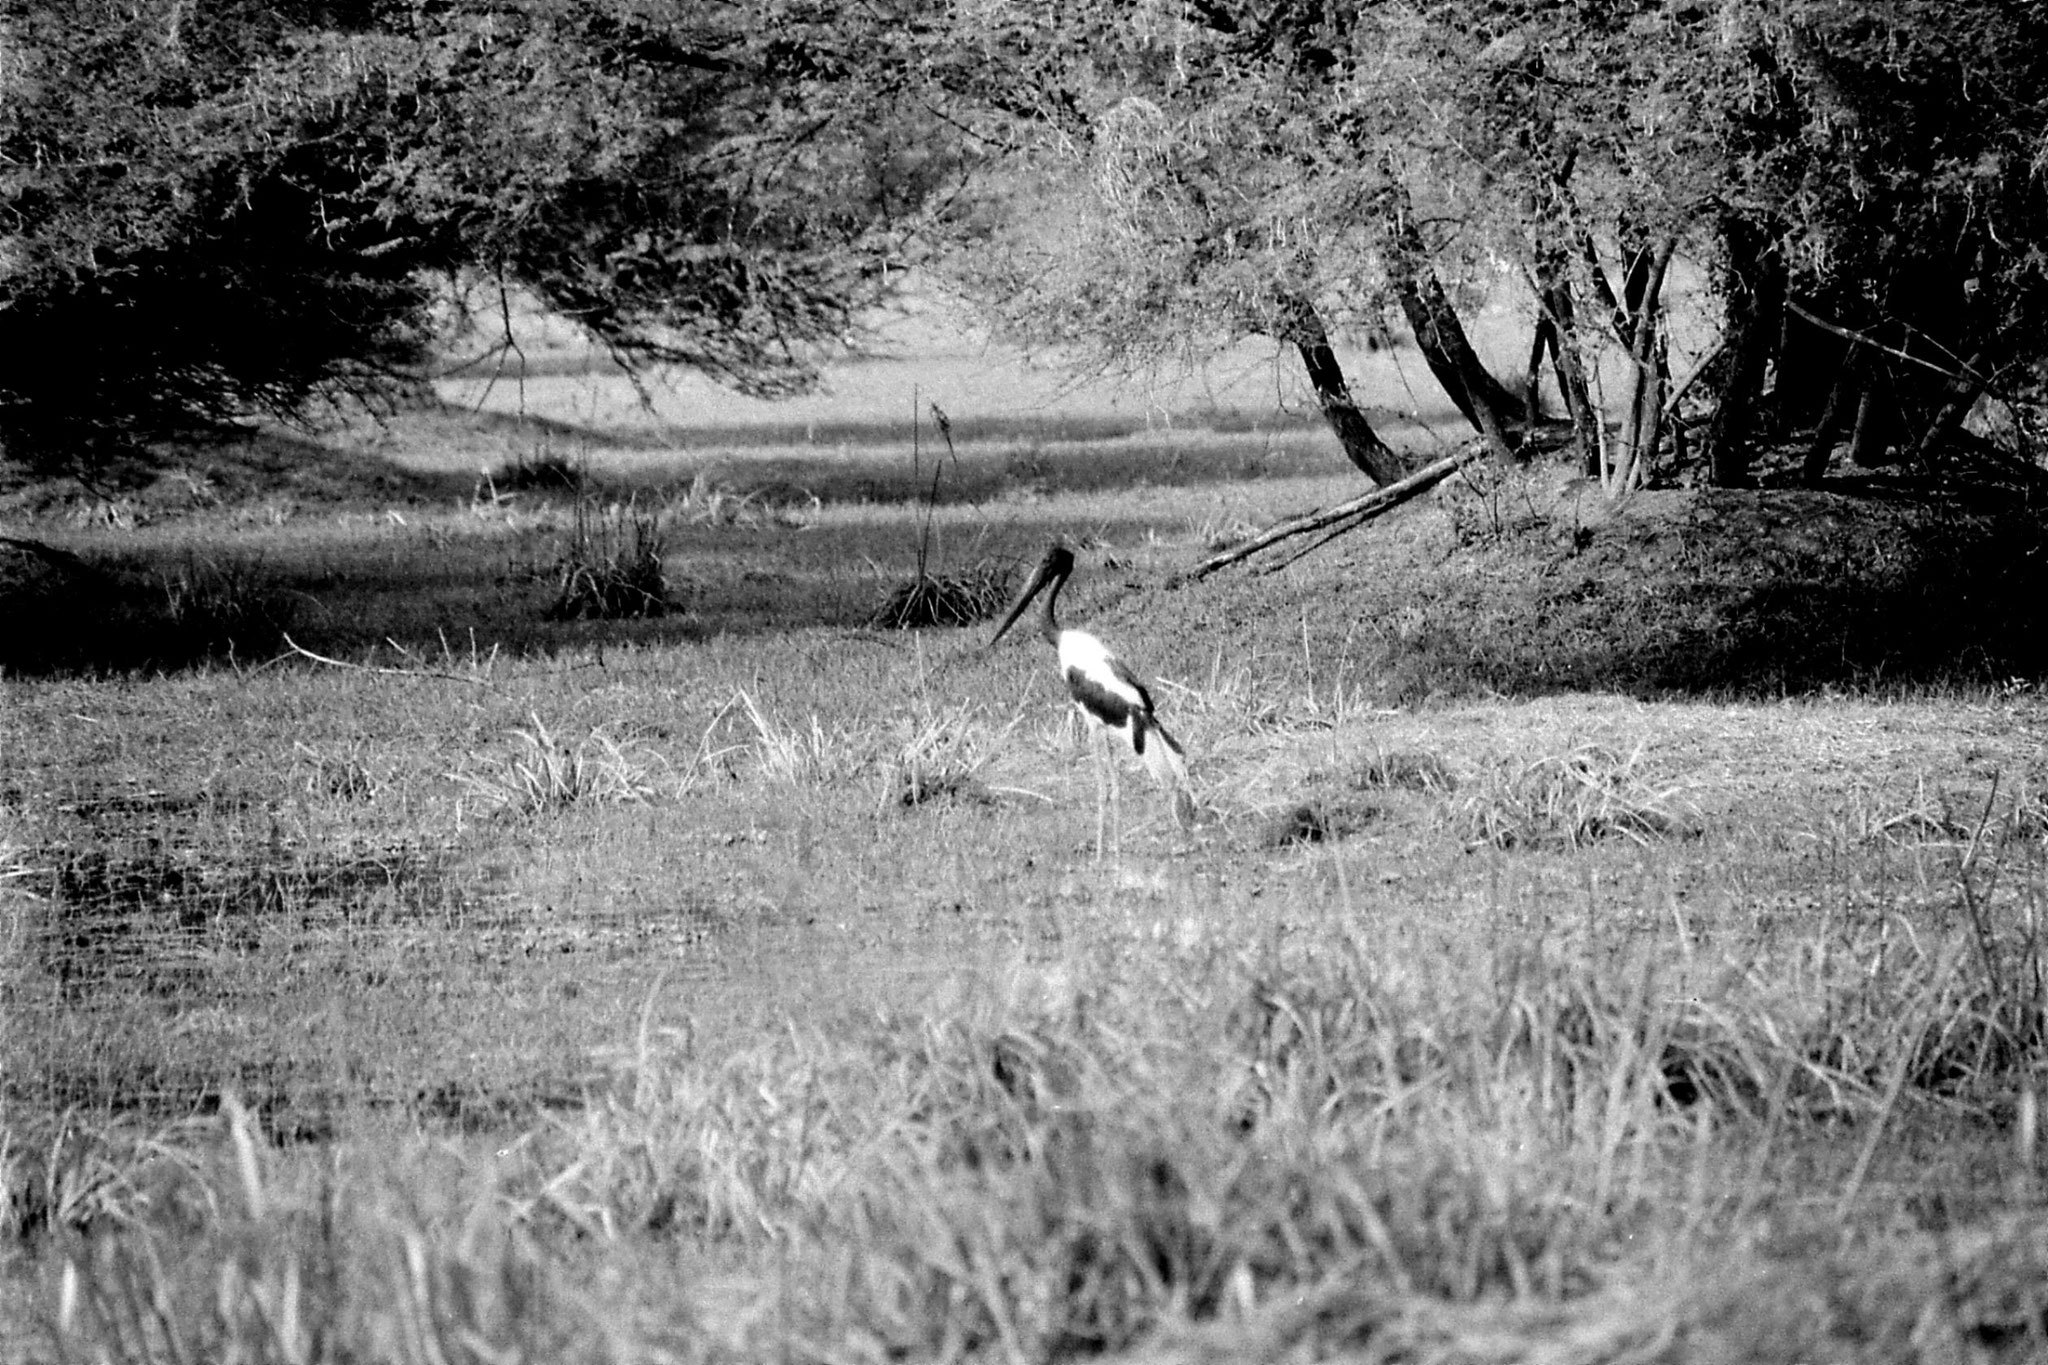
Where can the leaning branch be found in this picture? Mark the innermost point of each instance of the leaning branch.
(1355, 512)
(1967, 374)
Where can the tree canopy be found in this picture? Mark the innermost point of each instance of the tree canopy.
(1865, 183)
(231, 207)
(218, 208)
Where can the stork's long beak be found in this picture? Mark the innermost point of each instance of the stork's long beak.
(1039, 578)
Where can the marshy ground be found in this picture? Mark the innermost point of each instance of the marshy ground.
(1596, 945)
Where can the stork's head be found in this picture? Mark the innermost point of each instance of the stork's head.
(1054, 568)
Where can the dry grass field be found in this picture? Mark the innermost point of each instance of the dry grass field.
(1593, 947)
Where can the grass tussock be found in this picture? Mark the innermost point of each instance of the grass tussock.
(1239, 701)
(545, 774)
(223, 608)
(611, 565)
(545, 472)
(1413, 770)
(264, 1272)
(800, 754)
(941, 757)
(1317, 821)
(66, 1171)
(1933, 816)
(710, 502)
(1571, 800)
(337, 772)
(975, 594)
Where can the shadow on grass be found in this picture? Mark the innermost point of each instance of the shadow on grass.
(835, 438)
(844, 463)
(1709, 592)
(244, 470)
(68, 613)
(410, 595)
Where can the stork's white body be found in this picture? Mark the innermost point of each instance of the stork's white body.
(1110, 699)
(1082, 653)
(1095, 675)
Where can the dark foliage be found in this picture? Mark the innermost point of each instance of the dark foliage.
(233, 210)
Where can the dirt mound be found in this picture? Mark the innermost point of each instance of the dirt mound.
(1531, 584)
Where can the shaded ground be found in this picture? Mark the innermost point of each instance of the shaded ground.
(1536, 585)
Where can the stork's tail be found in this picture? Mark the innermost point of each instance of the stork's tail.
(1167, 762)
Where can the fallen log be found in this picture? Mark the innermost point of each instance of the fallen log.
(1344, 516)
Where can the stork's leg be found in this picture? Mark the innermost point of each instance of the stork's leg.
(1098, 740)
(1116, 793)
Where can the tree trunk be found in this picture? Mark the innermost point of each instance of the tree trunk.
(1870, 437)
(1559, 326)
(1484, 401)
(1620, 316)
(1557, 323)
(1362, 445)
(1542, 341)
(1755, 323)
(1958, 395)
(1844, 394)
(1642, 425)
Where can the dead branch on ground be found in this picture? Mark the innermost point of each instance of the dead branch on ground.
(1346, 516)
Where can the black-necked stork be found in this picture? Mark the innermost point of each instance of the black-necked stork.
(1107, 694)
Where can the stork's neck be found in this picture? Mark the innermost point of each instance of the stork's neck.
(1048, 621)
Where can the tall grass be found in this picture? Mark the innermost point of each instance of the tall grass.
(1350, 1149)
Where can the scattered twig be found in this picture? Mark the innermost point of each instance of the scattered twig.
(305, 653)
(1976, 904)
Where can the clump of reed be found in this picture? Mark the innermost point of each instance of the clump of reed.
(611, 565)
